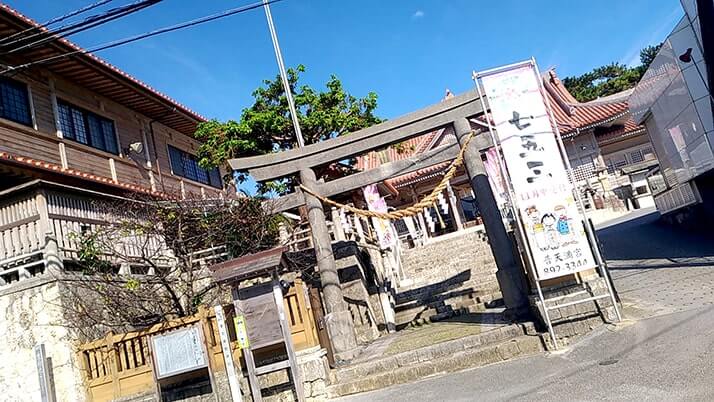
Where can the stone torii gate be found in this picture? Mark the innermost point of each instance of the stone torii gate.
(453, 114)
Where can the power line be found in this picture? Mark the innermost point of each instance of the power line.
(56, 20)
(76, 27)
(120, 42)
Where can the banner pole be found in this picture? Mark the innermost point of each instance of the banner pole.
(516, 213)
(578, 199)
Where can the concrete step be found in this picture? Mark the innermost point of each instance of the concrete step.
(441, 306)
(439, 350)
(426, 362)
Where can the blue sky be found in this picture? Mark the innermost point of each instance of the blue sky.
(407, 51)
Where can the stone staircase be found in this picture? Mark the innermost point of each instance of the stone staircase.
(498, 344)
(452, 275)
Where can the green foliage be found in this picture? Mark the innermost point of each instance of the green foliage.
(267, 127)
(90, 252)
(647, 55)
(609, 79)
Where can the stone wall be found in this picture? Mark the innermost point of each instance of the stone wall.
(30, 314)
(450, 274)
(276, 386)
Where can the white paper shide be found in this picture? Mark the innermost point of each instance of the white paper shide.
(543, 194)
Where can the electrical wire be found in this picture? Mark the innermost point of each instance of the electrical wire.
(56, 20)
(120, 42)
(76, 27)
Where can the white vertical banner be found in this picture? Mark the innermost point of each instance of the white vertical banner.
(543, 194)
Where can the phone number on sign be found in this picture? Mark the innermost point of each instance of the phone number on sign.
(566, 266)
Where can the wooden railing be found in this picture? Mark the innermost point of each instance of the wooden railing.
(22, 233)
(120, 365)
(359, 230)
(19, 230)
(33, 212)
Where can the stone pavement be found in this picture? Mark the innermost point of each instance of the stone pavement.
(659, 269)
(662, 352)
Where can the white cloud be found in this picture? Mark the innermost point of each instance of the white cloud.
(418, 14)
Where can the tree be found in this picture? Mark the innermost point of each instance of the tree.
(148, 264)
(647, 55)
(266, 126)
(609, 79)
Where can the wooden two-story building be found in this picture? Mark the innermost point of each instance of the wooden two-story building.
(76, 129)
(72, 131)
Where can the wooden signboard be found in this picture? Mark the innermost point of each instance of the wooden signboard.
(262, 322)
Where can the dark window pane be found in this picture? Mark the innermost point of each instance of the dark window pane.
(189, 167)
(110, 138)
(214, 177)
(87, 127)
(80, 128)
(185, 165)
(15, 102)
(176, 158)
(65, 120)
(202, 174)
(96, 134)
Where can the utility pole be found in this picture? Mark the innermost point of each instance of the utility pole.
(283, 75)
(338, 320)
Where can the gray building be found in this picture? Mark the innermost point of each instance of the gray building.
(673, 100)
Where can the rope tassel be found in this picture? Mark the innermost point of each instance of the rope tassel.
(413, 210)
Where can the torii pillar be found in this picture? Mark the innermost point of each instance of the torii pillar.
(510, 276)
(338, 319)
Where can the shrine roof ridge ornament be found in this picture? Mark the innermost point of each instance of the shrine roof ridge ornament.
(282, 164)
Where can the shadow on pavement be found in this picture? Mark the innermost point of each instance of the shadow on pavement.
(646, 237)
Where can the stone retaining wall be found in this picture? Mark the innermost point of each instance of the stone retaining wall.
(276, 386)
(31, 314)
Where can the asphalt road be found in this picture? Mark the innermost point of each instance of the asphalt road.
(662, 352)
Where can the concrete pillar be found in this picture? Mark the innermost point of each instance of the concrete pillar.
(337, 228)
(338, 320)
(51, 254)
(510, 275)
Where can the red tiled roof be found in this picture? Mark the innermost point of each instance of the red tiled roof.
(51, 167)
(408, 148)
(116, 84)
(416, 175)
(613, 133)
(571, 115)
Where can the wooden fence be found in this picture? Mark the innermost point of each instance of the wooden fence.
(119, 365)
